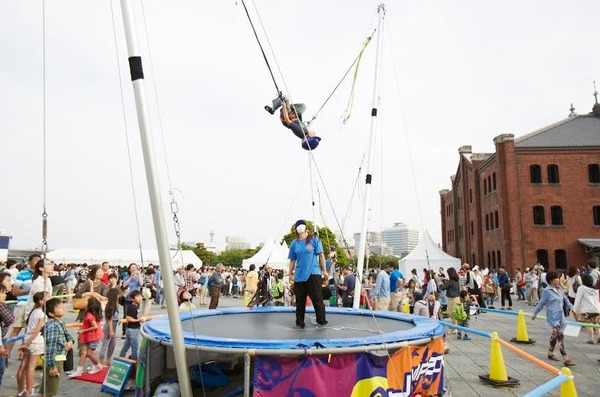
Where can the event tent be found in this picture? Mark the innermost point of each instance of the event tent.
(427, 255)
(273, 253)
(121, 257)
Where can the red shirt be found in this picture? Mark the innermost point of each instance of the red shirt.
(90, 336)
(104, 278)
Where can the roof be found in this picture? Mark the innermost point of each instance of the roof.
(590, 242)
(577, 131)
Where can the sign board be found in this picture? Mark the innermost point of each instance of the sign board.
(117, 377)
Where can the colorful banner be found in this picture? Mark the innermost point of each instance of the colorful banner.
(412, 371)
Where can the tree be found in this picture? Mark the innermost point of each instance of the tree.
(234, 257)
(200, 250)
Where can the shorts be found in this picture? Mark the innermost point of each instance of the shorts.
(36, 349)
(590, 318)
(51, 383)
(19, 317)
(90, 345)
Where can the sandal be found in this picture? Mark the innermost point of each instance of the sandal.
(553, 357)
(591, 342)
(569, 363)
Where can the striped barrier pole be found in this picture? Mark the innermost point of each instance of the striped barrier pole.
(474, 331)
(547, 387)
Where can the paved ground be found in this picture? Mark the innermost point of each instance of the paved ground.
(466, 361)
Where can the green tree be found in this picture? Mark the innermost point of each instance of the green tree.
(200, 250)
(234, 257)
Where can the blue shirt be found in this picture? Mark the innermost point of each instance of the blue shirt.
(394, 277)
(23, 281)
(134, 284)
(306, 257)
(553, 300)
(382, 285)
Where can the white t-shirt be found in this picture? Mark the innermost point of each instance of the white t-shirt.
(37, 285)
(36, 316)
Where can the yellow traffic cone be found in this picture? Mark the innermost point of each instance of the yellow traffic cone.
(498, 376)
(522, 336)
(567, 389)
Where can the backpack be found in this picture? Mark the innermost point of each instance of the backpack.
(459, 313)
(202, 279)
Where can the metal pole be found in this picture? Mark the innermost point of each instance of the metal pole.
(365, 218)
(246, 374)
(160, 231)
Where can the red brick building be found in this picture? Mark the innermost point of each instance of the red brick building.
(537, 198)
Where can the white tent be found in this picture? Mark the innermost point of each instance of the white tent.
(427, 255)
(273, 253)
(121, 257)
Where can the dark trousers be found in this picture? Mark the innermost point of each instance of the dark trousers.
(125, 306)
(312, 288)
(214, 293)
(505, 295)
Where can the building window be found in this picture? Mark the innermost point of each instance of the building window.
(535, 172)
(542, 257)
(499, 258)
(596, 211)
(472, 229)
(556, 213)
(489, 259)
(493, 258)
(594, 173)
(560, 257)
(494, 181)
(553, 174)
(470, 196)
(484, 186)
(489, 179)
(473, 258)
(496, 219)
(538, 215)
(487, 222)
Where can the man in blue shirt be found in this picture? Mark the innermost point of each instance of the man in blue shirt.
(395, 287)
(381, 291)
(347, 287)
(307, 264)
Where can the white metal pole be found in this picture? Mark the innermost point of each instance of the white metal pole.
(365, 215)
(160, 231)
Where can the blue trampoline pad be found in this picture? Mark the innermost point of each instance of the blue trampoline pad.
(272, 328)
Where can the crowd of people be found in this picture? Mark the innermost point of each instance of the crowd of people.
(35, 295)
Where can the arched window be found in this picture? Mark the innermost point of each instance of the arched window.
(596, 212)
(487, 222)
(594, 173)
(499, 259)
(560, 258)
(538, 215)
(494, 181)
(556, 213)
(553, 174)
(542, 257)
(535, 172)
(496, 219)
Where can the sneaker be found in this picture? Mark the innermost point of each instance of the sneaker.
(76, 369)
(458, 336)
(466, 337)
(76, 373)
(298, 326)
(322, 325)
(22, 393)
(269, 109)
(96, 368)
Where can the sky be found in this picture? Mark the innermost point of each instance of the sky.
(452, 73)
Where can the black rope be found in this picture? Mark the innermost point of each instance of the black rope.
(261, 48)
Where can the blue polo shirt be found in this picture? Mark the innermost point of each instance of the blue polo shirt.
(306, 257)
(394, 277)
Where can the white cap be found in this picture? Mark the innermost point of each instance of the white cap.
(301, 228)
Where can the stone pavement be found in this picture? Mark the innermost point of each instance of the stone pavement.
(465, 362)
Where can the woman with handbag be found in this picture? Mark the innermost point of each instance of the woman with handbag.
(92, 287)
(505, 284)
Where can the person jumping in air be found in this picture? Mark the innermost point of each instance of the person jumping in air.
(291, 117)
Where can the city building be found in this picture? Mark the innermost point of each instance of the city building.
(535, 199)
(237, 243)
(402, 238)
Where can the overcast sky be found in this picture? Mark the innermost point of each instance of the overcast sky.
(453, 73)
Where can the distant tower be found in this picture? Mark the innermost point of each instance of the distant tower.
(572, 109)
(212, 235)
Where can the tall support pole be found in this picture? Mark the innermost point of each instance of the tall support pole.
(160, 231)
(365, 215)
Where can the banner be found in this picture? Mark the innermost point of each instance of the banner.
(412, 371)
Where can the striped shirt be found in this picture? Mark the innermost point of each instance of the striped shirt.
(23, 281)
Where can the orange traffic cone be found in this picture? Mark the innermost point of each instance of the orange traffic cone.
(498, 376)
(522, 336)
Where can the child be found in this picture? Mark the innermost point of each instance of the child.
(111, 321)
(461, 314)
(33, 345)
(133, 325)
(113, 281)
(90, 335)
(186, 302)
(58, 342)
(6, 319)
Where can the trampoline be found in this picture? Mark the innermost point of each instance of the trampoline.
(232, 334)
